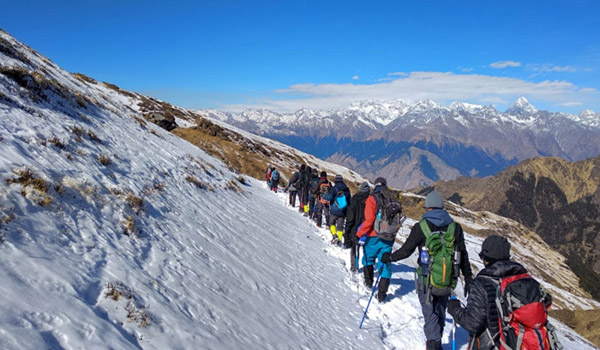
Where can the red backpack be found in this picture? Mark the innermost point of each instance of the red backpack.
(523, 314)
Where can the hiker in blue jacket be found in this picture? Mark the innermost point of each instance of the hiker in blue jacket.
(340, 199)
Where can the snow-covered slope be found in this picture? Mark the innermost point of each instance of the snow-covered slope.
(115, 234)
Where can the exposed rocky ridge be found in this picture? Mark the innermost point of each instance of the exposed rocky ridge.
(559, 200)
(463, 139)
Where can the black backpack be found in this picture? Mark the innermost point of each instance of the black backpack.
(299, 181)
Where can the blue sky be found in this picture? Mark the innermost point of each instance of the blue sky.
(285, 55)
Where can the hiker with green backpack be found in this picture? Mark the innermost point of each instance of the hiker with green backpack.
(442, 255)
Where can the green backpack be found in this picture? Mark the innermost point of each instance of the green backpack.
(441, 244)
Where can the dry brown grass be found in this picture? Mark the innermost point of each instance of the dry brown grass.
(84, 78)
(199, 184)
(584, 322)
(56, 142)
(129, 228)
(92, 136)
(34, 187)
(135, 202)
(105, 160)
(232, 185)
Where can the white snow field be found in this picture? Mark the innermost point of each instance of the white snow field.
(116, 234)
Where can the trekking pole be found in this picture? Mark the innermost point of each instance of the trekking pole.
(357, 247)
(371, 297)
(453, 333)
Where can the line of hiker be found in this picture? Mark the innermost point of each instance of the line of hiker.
(505, 307)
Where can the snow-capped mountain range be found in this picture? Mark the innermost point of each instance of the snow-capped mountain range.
(419, 143)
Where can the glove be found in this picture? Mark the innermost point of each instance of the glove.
(468, 282)
(453, 306)
(386, 258)
(362, 240)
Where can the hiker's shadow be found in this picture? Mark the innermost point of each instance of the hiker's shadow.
(405, 285)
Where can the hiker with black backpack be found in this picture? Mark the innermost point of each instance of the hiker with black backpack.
(354, 218)
(293, 185)
(442, 255)
(313, 192)
(340, 199)
(268, 175)
(305, 190)
(493, 319)
(383, 219)
(323, 199)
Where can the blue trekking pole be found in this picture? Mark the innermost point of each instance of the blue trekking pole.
(371, 297)
(453, 333)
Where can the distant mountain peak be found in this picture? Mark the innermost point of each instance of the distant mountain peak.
(521, 106)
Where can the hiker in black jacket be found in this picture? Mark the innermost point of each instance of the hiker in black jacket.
(306, 189)
(434, 309)
(338, 209)
(293, 185)
(300, 188)
(323, 199)
(355, 217)
(480, 316)
(313, 193)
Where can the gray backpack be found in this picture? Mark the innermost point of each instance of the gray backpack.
(389, 214)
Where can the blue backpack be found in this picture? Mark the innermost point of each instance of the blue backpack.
(275, 175)
(340, 200)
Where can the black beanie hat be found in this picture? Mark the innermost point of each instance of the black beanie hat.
(323, 174)
(380, 181)
(302, 167)
(495, 248)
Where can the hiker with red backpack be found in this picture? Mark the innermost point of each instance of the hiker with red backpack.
(442, 256)
(323, 199)
(378, 232)
(340, 199)
(506, 308)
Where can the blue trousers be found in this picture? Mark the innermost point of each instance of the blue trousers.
(374, 249)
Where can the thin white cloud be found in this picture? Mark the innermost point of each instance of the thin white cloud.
(400, 74)
(544, 68)
(355, 77)
(571, 103)
(442, 87)
(504, 64)
(466, 70)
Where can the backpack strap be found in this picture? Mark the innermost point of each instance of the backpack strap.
(427, 231)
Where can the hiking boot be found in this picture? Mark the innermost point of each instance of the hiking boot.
(305, 214)
(318, 225)
(381, 296)
(335, 240)
(368, 272)
(434, 345)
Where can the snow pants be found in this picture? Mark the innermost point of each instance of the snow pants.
(336, 225)
(322, 209)
(374, 249)
(293, 197)
(434, 311)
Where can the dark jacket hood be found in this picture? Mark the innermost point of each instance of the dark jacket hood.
(503, 268)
